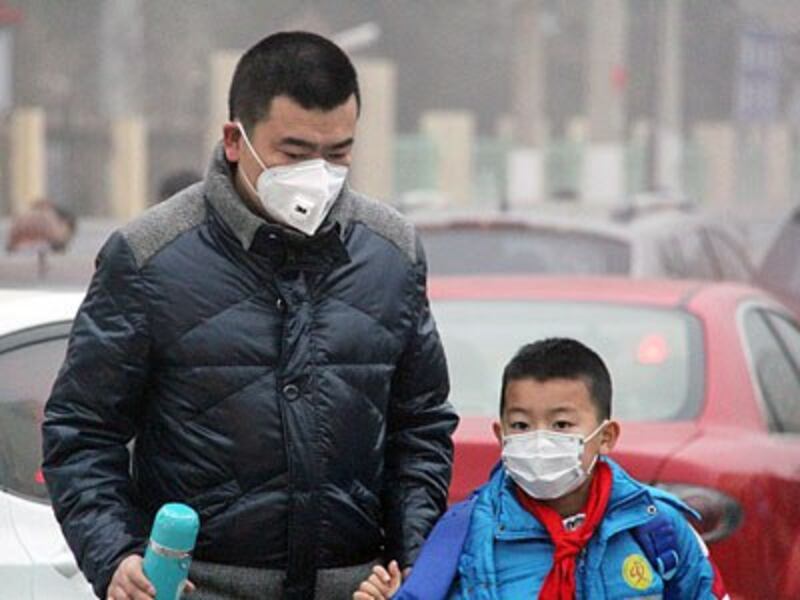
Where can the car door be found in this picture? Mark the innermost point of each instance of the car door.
(29, 362)
(773, 340)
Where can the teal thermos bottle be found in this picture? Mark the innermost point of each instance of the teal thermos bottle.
(168, 553)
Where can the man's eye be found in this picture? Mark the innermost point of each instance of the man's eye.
(293, 155)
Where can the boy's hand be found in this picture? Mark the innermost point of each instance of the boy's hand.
(382, 584)
(130, 583)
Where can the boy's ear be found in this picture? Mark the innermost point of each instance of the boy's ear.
(497, 428)
(609, 437)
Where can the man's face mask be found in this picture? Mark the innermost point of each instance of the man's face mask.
(299, 195)
(547, 464)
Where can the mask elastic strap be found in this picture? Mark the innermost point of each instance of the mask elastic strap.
(249, 145)
(595, 432)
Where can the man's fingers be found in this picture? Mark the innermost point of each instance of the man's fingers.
(190, 587)
(135, 574)
(116, 593)
(382, 573)
(372, 590)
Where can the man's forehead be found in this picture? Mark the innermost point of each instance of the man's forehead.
(284, 108)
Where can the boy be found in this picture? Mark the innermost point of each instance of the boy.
(560, 519)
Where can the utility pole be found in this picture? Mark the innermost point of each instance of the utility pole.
(122, 73)
(604, 163)
(526, 161)
(668, 146)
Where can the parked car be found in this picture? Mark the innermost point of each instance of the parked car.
(662, 243)
(706, 383)
(35, 562)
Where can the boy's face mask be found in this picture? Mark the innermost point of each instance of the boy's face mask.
(299, 195)
(547, 464)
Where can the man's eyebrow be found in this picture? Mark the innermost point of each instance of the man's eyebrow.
(290, 141)
(342, 144)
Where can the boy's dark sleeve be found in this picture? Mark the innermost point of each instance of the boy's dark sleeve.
(90, 417)
(419, 448)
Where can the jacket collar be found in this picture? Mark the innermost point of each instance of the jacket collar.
(629, 506)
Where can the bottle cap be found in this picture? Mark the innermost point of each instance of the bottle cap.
(176, 527)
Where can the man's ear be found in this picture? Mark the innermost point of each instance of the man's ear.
(497, 428)
(609, 437)
(232, 141)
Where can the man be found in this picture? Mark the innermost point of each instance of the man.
(265, 339)
(44, 226)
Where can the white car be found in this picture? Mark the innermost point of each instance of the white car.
(35, 561)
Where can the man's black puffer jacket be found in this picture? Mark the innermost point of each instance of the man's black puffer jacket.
(293, 391)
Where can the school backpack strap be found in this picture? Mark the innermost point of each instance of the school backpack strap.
(659, 542)
(437, 563)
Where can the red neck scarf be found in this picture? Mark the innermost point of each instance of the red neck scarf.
(560, 581)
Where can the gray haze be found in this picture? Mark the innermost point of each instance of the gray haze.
(86, 62)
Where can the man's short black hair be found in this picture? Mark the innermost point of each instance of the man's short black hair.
(561, 358)
(306, 67)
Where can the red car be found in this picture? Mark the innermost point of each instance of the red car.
(706, 383)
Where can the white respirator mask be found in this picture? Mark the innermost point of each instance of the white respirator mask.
(547, 464)
(299, 195)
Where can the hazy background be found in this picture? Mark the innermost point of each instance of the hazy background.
(468, 103)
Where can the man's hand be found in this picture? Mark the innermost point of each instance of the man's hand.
(382, 584)
(129, 582)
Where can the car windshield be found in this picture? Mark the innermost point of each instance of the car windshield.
(654, 355)
(473, 251)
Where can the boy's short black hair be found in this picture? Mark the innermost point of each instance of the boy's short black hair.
(310, 69)
(561, 358)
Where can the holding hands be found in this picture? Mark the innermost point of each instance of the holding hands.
(382, 584)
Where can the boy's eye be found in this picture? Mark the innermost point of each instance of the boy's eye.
(519, 426)
(558, 425)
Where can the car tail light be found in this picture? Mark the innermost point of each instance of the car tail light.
(721, 514)
(652, 350)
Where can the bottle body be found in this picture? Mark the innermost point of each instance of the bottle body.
(168, 554)
(167, 570)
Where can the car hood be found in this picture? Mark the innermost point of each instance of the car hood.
(644, 447)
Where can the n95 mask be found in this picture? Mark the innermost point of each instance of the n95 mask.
(299, 195)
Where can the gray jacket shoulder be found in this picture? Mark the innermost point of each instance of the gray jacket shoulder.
(382, 219)
(164, 222)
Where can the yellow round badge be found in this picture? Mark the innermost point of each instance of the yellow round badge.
(636, 572)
